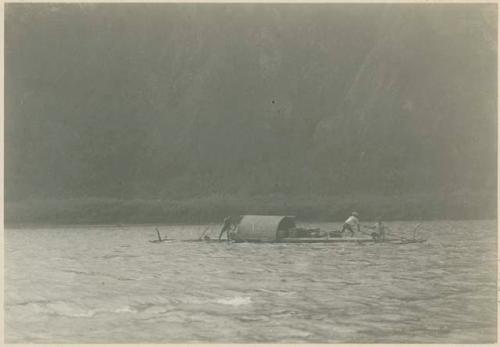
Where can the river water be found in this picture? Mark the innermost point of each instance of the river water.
(110, 285)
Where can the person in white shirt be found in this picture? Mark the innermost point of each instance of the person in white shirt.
(351, 223)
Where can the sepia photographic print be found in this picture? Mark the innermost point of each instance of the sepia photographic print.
(250, 173)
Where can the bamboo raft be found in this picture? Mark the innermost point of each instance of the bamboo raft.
(318, 240)
(282, 229)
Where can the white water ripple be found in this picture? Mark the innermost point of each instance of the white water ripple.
(111, 285)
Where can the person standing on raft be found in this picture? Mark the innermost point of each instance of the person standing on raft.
(228, 225)
(351, 223)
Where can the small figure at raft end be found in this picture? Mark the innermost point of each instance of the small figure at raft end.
(228, 225)
(351, 223)
(379, 230)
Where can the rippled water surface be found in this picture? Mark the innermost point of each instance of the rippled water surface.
(110, 285)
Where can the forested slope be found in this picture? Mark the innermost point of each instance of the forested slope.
(177, 102)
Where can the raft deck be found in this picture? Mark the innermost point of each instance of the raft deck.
(321, 240)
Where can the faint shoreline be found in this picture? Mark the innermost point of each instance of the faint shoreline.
(111, 212)
(103, 226)
(16, 226)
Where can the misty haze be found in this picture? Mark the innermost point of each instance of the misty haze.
(321, 173)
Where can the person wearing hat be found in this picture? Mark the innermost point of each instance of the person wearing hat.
(351, 223)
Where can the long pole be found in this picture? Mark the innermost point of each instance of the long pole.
(415, 230)
(204, 232)
(159, 237)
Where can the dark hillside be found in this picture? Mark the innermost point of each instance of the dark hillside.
(184, 102)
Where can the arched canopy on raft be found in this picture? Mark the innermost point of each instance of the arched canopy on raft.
(263, 228)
